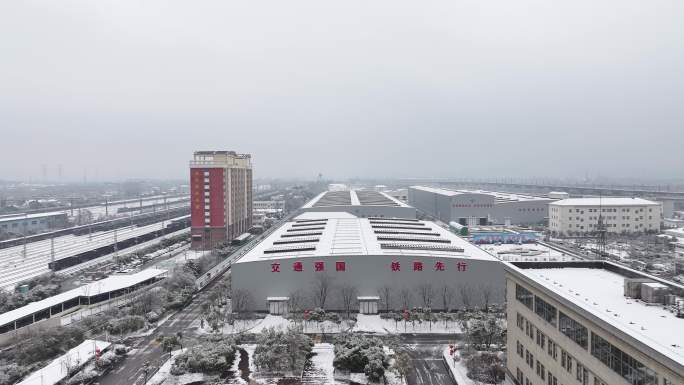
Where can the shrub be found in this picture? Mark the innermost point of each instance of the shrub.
(212, 357)
(359, 353)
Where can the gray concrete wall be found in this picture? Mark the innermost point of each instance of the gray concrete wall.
(367, 274)
(436, 205)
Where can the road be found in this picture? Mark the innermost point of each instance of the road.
(130, 371)
(428, 366)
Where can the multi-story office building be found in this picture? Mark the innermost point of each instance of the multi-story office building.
(619, 215)
(592, 323)
(221, 191)
(479, 207)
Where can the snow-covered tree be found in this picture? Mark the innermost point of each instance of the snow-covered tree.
(282, 351)
(358, 353)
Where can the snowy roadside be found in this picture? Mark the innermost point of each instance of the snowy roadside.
(364, 324)
(457, 368)
(163, 375)
(374, 324)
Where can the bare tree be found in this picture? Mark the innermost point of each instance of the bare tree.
(466, 295)
(426, 293)
(241, 301)
(405, 294)
(296, 301)
(322, 285)
(348, 293)
(486, 290)
(446, 292)
(385, 294)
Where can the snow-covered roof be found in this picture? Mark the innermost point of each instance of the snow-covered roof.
(106, 285)
(501, 197)
(617, 201)
(325, 234)
(58, 369)
(679, 233)
(19, 217)
(653, 326)
(353, 198)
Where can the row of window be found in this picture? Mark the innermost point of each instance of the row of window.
(632, 370)
(567, 362)
(611, 210)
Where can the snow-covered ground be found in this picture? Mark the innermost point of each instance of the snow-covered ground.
(322, 370)
(58, 369)
(457, 368)
(526, 252)
(364, 324)
(618, 250)
(277, 322)
(374, 324)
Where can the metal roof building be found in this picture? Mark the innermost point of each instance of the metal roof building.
(479, 207)
(90, 294)
(365, 253)
(361, 203)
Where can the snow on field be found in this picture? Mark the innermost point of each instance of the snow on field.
(374, 324)
(58, 369)
(250, 349)
(322, 370)
(526, 252)
(271, 321)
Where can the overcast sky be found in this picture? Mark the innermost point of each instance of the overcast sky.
(349, 88)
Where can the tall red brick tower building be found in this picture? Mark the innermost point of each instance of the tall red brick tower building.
(221, 190)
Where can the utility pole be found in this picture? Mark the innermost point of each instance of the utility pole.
(25, 225)
(116, 248)
(52, 249)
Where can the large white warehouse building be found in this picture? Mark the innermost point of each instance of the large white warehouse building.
(361, 203)
(620, 215)
(479, 207)
(411, 260)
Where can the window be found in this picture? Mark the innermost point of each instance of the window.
(519, 320)
(574, 330)
(622, 363)
(553, 352)
(581, 374)
(545, 310)
(524, 296)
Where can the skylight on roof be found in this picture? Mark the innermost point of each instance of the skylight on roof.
(298, 234)
(401, 227)
(411, 239)
(289, 249)
(416, 246)
(406, 232)
(305, 229)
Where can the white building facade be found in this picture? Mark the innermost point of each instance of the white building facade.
(411, 260)
(562, 330)
(619, 215)
(479, 207)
